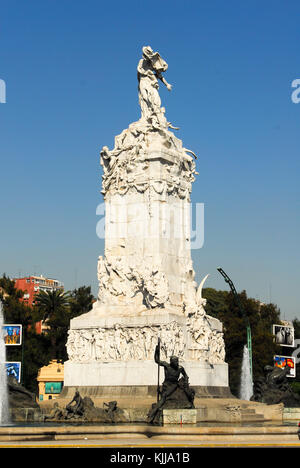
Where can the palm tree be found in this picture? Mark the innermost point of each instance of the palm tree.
(53, 309)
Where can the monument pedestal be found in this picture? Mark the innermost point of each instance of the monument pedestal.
(132, 374)
(118, 351)
(112, 357)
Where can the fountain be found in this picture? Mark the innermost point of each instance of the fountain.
(246, 388)
(4, 412)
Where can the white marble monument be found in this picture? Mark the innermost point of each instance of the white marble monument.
(146, 278)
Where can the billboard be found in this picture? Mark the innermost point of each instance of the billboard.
(13, 369)
(53, 387)
(12, 334)
(286, 361)
(284, 335)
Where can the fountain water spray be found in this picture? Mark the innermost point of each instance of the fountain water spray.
(4, 411)
(246, 388)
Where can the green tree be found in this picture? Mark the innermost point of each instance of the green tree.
(81, 301)
(15, 311)
(53, 308)
(34, 351)
(296, 325)
(224, 306)
(56, 309)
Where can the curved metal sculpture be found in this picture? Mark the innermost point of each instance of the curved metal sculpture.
(249, 339)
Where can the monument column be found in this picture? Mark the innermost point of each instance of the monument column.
(146, 278)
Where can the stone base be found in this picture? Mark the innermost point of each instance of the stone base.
(134, 396)
(124, 435)
(25, 415)
(136, 402)
(133, 384)
(139, 373)
(291, 414)
(179, 416)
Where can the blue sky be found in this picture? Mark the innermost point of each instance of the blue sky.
(70, 72)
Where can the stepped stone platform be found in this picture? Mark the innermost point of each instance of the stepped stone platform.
(135, 407)
(142, 434)
(137, 396)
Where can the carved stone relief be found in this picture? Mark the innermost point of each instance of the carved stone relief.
(121, 343)
(124, 343)
(204, 343)
(118, 278)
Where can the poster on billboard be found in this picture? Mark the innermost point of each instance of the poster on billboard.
(12, 334)
(13, 369)
(284, 335)
(286, 362)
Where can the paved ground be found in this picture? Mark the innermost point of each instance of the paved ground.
(115, 444)
(138, 438)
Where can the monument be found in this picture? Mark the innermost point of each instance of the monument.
(146, 279)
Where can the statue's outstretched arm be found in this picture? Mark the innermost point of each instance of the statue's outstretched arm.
(159, 75)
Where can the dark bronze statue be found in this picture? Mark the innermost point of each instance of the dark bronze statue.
(76, 407)
(56, 414)
(274, 388)
(110, 410)
(83, 409)
(175, 393)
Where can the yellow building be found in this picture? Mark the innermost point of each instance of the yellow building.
(50, 380)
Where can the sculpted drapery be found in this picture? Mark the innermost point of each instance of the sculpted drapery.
(150, 69)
